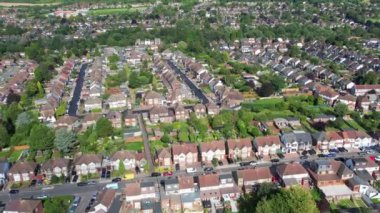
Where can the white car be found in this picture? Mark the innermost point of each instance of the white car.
(377, 158)
(191, 170)
(41, 197)
(47, 187)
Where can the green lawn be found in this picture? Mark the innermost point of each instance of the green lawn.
(4, 154)
(134, 146)
(58, 204)
(109, 11)
(354, 125)
(347, 204)
(267, 115)
(157, 145)
(15, 155)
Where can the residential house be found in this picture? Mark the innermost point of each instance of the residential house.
(171, 186)
(360, 90)
(199, 110)
(212, 109)
(293, 122)
(130, 119)
(180, 112)
(293, 174)
(239, 148)
(296, 142)
(57, 167)
(92, 103)
(117, 101)
(164, 158)
(356, 139)
(186, 184)
(348, 100)
(280, 123)
(4, 168)
(153, 98)
(248, 178)
(135, 193)
(66, 121)
(24, 206)
(324, 118)
(87, 164)
(228, 189)
(90, 119)
(209, 186)
(128, 158)
(185, 155)
(267, 145)
(104, 201)
(329, 176)
(213, 150)
(160, 114)
(365, 164)
(324, 141)
(115, 118)
(22, 171)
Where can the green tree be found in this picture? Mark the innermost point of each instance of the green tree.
(61, 109)
(4, 136)
(64, 140)
(41, 138)
(103, 127)
(214, 162)
(183, 135)
(121, 170)
(165, 138)
(340, 110)
(23, 119)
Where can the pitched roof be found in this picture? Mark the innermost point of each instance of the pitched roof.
(164, 153)
(21, 205)
(106, 197)
(213, 145)
(267, 140)
(239, 143)
(185, 182)
(208, 180)
(23, 167)
(52, 163)
(290, 169)
(132, 189)
(354, 134)
(87, 159)
(184, 148)
(123, 154)
(258, 173)
(152, 95)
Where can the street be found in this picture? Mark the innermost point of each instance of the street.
(73, 105)
(197, 92)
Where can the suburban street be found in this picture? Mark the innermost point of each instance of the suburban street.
(148, 155)
(197, 92)
(73, 105)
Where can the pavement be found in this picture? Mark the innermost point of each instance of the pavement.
(197, 92)
(148, 155)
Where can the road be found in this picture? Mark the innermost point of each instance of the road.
(73, 189)
(148, 155)
(197, 92)
(73, 105)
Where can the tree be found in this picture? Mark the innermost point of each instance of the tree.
(214, 162)
(165, 138)
(183, 135)
(41, 138)
(61, 109)
(103, 127)
(340, 110)
(4, 136)
(23, 119)
(266, 90)
(64, 140)
(121, 170)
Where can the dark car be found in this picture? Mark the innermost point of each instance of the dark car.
(321, 155)
(275, 160)
(156, 174)
(208, 169)
(92, 182)
(14, 191)
(342, 149)
(244, 163)
(362, 153)
(88, 208)
(33, 183)
(75, 178)
(82, 184)
(303, 157)
(108, 174)
(331, 155)
(281, 156)
(334, 151)
(115, 180)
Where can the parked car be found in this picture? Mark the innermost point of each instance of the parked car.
(331, 155)
(191, 170)
(303, 157)
(371, 151)
(208, 169)
(14, 191)
(342, 149)
(33, 183)
(47, 187)
(41, 197)
(244, 163)
(167, 173)
(377, 158)
(156, 174)
(275, 160)
(334, 151)
(75, 178)
(252, 163)
(82, 184)
(92, 182)
(115, 180)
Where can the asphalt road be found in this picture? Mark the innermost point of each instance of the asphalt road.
(197, 92)
(148, 155)
(73, 189)
(73, 105)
